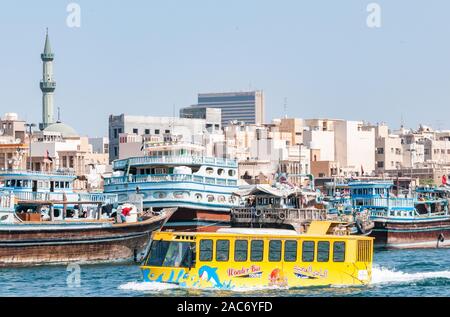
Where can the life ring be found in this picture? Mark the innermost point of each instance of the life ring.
(282, 215)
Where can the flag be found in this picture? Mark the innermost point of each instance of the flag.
(47, 156)
(362, 170)
(444, 180)
(142, 146)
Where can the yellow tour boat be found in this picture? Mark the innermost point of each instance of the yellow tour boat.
(241, 258)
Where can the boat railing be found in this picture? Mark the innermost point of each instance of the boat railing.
(188, 160)
(47, 173)
(108, 199)
(384, 202)
(249, 214)
(120, 180)
(6, 201)
(40, 196)
(91, 197)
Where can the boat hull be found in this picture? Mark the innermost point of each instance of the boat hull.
(411, 234)
(198, 220)
(31, 244)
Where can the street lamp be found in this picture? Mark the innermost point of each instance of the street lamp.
(30, 126)
(300, 162)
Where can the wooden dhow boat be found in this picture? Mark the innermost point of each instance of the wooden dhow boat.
(33, 237)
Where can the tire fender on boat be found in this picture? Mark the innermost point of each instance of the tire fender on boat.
(360, 226)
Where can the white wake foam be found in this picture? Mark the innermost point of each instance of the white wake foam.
(147, 286)
(382, 275)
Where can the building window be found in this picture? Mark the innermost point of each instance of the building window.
(167, 132)
(380, 150)
(135, 131)
(157, 131)
(115, 134)
(380, 164)
(116, 151)
(147, 131)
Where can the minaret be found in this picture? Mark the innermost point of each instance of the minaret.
(48, 85)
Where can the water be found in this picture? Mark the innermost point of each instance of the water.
(396, 273)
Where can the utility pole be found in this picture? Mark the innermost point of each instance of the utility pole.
(30, 126)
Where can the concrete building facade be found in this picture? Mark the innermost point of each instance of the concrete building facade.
(247, 107)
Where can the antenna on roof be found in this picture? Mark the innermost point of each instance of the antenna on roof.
(59, 115)
(285, 108)
(402, 123)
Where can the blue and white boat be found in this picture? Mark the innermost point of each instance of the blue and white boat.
(177, 174)
(421, 219)
(34, 189)
(43, 221)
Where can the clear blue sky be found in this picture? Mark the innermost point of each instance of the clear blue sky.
(144, 57)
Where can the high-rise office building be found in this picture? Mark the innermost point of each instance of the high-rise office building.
(247, 107)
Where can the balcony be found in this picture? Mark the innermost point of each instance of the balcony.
(48, 85)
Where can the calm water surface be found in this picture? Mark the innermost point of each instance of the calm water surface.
(396, 273)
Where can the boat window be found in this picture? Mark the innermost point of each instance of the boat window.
(275, 250)
(240, 250)
(210, 198)
(339, 251)
(198, 196)
(290, 251)
(231, 173)
(221, 171)
(13, 183)
(221, 199)
(158, 252)
(257, 251)
(323, 251)
(222, 250)
(206, 250)
(209, 170)
(170, 254)
(160, 195)
(308, 251)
